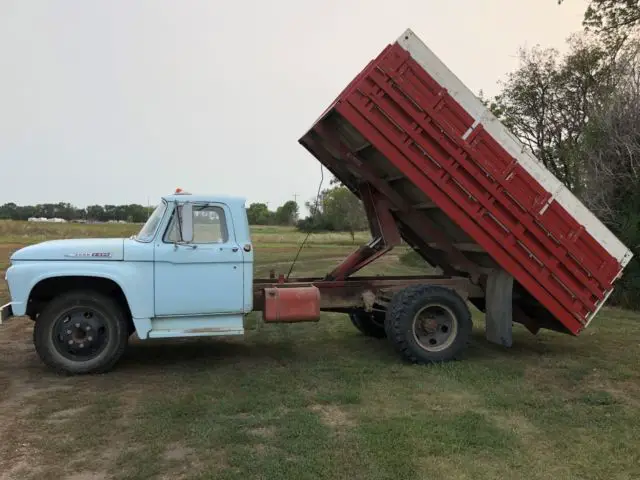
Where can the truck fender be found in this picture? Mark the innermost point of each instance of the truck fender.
(125, 276)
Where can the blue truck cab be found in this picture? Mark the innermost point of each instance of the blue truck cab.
(187, 272)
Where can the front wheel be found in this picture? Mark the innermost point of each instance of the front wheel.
(81, 332)
(428, 324)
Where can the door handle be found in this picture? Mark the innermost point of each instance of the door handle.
(192, 246)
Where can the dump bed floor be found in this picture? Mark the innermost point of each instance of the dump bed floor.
(464, 191)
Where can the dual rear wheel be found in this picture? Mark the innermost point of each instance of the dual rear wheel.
(424, 323)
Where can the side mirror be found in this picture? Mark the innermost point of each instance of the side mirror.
(186, 219)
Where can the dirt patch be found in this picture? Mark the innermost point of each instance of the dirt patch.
(8, 249)
(177, 452)
(448, 400)
(552, 380)
(625, 392)
(21, 465)
(19, 452)
(264, 432)
(183, 462)
(66, 414)
(260, 449)
(87, 476)
(514, 422)
(574, 383)
(333, 416)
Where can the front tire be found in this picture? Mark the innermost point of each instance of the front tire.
(428, 324)
(81, 332)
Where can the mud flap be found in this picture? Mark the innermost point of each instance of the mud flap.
(5, 312)
(499, 309)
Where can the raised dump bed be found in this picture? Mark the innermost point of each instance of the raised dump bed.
(465, 193)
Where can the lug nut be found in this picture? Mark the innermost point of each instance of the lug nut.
(90, 338)
(82, 345)
(77, 325)
(70, 342)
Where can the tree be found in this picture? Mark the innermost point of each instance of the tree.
(338, 209)
(344, 211)
(611, 155)
(259, 214)
(546, 102)
(611, 15)
(613, 21)
(287, 214)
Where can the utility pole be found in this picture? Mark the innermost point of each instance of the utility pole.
(295, 197)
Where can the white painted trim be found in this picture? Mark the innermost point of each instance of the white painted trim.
(598, 307)
(471, 129)
(472, 104)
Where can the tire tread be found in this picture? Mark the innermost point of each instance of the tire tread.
(69, 299)
(400, 318)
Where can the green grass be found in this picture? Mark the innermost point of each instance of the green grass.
(320, 401)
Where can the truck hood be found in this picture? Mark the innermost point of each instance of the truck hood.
(74, 249)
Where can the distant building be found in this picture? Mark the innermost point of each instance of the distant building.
(48, 220)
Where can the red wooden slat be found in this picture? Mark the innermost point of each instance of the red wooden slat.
(393, 109)
(453, 208)
(494, 221)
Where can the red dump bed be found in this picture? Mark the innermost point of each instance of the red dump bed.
(464, 191)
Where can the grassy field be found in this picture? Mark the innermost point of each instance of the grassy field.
(321, 401)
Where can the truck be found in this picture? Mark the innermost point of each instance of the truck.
(433, 168)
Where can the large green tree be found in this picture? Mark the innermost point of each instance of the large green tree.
(259, 214)
(546, 102)
(610, 152)
(287, 214)
(336, 209)
(614, 22)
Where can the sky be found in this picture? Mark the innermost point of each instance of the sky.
(122, 101)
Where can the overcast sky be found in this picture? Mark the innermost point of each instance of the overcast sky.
(123, 101)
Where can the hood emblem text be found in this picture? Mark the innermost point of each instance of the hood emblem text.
(88, 255)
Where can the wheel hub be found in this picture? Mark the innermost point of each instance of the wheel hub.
(80, 333)
(434, 327)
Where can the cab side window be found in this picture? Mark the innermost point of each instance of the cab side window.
(209, 225)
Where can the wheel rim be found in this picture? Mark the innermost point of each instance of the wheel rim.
(434, 327)
(80, 334)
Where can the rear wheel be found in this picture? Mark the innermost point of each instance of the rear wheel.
(428, 324)
(81, 332)
(370, 324)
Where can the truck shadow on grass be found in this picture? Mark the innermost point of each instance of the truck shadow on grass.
(305, 349)
(524, 346)
(199, 352)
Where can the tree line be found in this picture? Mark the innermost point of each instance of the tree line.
(337, 210)
(99, 213)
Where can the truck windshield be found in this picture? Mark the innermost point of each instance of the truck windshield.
(149, 228)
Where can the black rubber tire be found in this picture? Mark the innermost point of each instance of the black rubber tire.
(404, 307)
(116, 339)
(370, 324)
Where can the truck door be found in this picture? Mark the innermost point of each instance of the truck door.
(202, 278)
